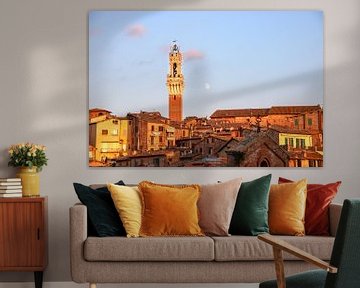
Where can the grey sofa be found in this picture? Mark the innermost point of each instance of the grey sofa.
(234, 259)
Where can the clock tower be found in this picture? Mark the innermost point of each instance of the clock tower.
(175, 83)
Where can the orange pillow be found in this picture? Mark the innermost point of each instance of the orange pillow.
(169, 210)
(287, 204)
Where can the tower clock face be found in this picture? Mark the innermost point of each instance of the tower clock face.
(174, 69)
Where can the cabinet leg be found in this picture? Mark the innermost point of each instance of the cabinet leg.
(38, 279)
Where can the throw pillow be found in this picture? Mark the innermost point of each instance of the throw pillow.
(127, 201)
(287, 204)
(216, 206)
(102, 215)
(169, 210)
(318, 200)
(250, 215)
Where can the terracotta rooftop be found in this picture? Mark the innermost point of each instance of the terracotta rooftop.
(240, 112)
(220, 113)
(305, 154)
(99, 110)
(153, 117)
(288, 130)
(293, 109)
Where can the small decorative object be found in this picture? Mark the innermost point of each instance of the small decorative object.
(30, 158)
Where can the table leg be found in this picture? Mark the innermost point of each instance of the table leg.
(38, 279)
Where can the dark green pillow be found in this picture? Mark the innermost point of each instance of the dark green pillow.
(250, 216)
(103, 218)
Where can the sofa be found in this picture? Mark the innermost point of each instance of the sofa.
(233, 259)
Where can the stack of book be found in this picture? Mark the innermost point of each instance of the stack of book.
(10, 187)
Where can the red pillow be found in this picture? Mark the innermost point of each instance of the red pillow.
(319, 197)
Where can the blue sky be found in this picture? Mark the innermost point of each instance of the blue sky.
(232, 59)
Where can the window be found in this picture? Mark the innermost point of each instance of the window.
(309, 120)
(152, 140)
(298, 163)
(104, 132)
(152, 128)
(296, 122)
(297, 143)
(183, 133)
(161, 128)
(160, 139)
(156, 162)
(291, 142)
(116, 122)
(312, 163)
(302, 143)
(115, 132)
(286, 141)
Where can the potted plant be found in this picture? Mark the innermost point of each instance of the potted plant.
(30, 158)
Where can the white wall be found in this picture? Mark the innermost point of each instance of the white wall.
(43, 90)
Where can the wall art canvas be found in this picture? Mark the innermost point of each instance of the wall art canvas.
(206, 88)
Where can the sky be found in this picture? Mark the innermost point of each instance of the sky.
(231, 59)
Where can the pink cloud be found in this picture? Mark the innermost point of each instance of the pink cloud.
(193, 54)
(136, 30)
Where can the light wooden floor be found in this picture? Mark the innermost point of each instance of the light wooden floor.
(74, 285)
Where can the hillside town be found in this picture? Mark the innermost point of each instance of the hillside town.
(276, 136)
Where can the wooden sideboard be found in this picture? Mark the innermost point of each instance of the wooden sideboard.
(23, 235)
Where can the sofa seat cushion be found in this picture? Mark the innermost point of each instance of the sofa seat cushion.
(149, 249)
(244, 248)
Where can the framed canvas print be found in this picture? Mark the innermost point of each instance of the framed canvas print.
(206, 88)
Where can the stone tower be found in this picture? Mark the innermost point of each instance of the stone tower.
(175, 83)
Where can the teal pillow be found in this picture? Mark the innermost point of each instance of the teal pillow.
(250, 216)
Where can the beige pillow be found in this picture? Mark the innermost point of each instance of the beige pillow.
(127, 201)
(216, 206)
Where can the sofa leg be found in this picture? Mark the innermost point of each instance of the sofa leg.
(92, 285)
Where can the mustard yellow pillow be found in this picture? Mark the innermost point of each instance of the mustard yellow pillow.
(127, 201)
(169, 210)
(287, 204)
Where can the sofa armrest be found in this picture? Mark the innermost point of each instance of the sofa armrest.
(334, 217)
(78, 235)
